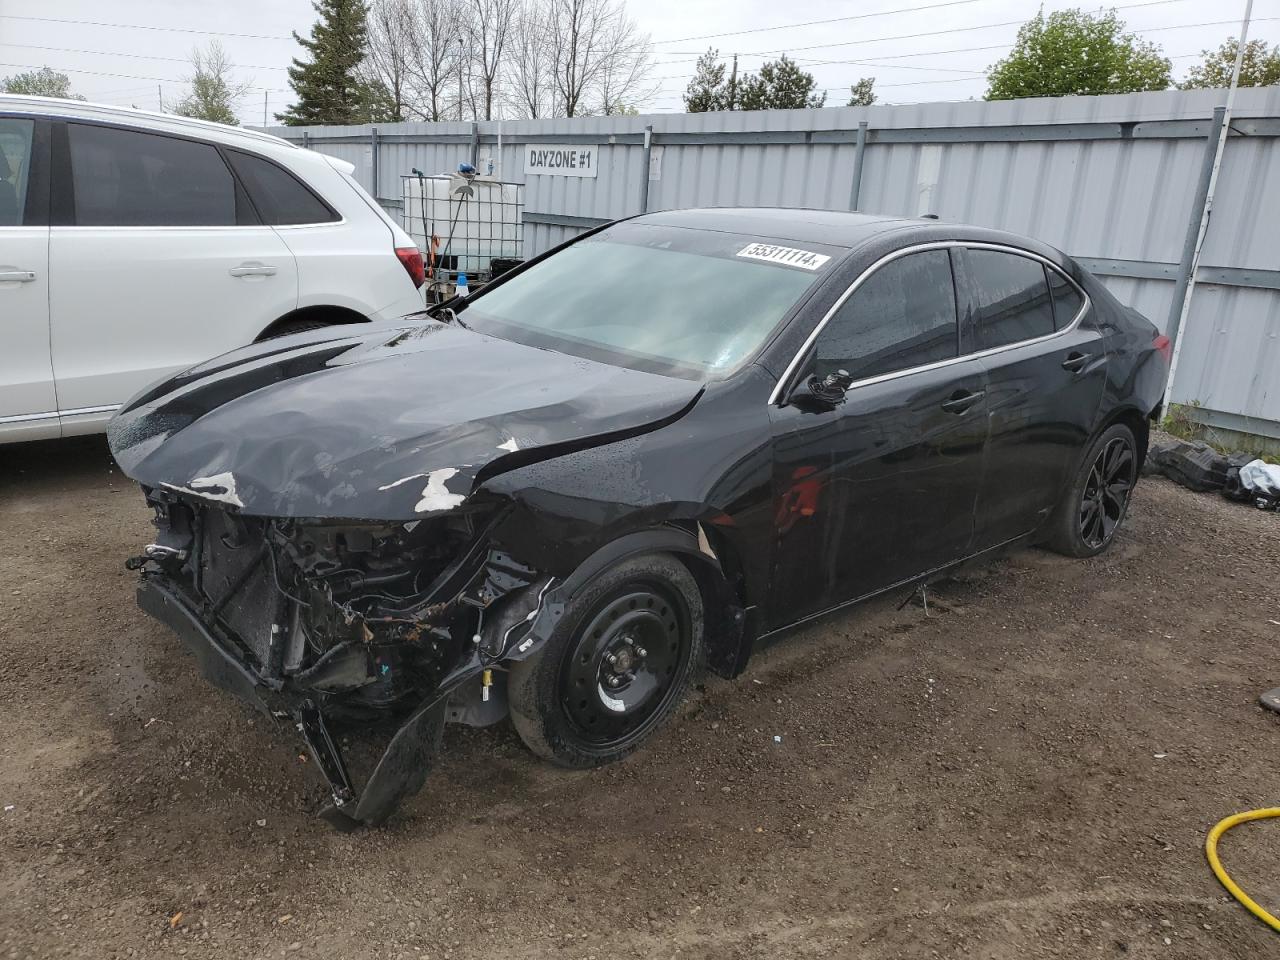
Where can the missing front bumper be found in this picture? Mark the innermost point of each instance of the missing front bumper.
(400, 772)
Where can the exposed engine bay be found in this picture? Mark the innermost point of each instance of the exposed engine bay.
(403, 621)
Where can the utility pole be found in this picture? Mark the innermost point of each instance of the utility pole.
(160, 98)
(264, 108)
(459, 77)
(1178, 331)
(733, 85)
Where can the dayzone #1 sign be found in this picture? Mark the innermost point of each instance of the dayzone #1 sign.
(560, 160)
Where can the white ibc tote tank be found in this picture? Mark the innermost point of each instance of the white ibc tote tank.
(475, 220)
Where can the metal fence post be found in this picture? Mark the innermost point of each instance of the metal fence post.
(646, 159)
(859, 151)
(475, 144)
(1193, 231)
(306, 140)
(373, 159)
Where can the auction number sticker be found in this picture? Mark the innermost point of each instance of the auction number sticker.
(787, 256)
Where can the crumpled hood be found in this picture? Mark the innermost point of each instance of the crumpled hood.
(346, 423)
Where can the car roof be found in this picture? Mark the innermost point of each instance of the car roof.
(839, 228)
(162, 122)
(835, 228)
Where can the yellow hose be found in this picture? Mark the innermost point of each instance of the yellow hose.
(1211, 852)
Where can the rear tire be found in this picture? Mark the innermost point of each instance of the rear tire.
(1095, 505)
(621, 659)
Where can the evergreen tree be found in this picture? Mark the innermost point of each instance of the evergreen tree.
(862, 93)
(708, 90)
(780, 85)
(328, 85)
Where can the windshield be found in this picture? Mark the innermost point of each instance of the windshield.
(664, 299)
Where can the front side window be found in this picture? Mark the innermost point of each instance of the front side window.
(15, 169)
(281, 200)
(902, 316)
(126, 178)
(674, 300)
(1012, 298)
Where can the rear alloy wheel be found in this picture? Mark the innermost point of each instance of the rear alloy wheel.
(621, 659)
(1086, 521)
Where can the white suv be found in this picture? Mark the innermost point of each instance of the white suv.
(133, 245)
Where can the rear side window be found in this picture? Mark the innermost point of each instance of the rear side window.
(125, 178)
(1012, 298)
(15, 169)
(903, 316)
(1067, 300)
(280, 197)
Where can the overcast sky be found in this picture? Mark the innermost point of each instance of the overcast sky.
(134, 51)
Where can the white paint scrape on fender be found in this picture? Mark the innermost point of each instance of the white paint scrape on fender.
(220, 487)
(435, 495)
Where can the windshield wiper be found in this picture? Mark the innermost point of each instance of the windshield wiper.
(453, 317)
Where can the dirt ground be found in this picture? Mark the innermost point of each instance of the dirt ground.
(1028, 772)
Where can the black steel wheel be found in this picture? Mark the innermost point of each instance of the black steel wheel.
(1096, 503)
(625, 653)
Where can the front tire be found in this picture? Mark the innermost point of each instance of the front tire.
(1085, 522)
(622, 657)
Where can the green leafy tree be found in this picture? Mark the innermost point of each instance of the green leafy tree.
(376, 104)
(708, 90)
(40, 83)
(328, 84)
(1073, 52)
(780, 85)
(1260, 66)
(862, 94)
(214, 91)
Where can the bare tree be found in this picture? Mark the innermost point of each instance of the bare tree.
(214, 90)
(433, 62)
(488, 25)
(581, 45)
(390, 52)
(529, 73)
(624, 75)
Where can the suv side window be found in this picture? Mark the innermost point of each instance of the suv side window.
(281, 199)
(127, 178)
(1066, 298)
(1011, 297)
(15, 168)
(903, 316)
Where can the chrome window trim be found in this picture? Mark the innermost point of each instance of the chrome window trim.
(775, 396)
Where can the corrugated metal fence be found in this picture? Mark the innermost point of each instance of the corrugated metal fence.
(1115, 181)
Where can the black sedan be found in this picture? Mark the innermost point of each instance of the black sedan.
(636, 456)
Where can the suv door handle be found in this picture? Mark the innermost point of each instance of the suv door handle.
(962, 400)
(19, 276)
(253, 270)
(1076, 360)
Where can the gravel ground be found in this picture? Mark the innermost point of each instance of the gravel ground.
(1028, 772)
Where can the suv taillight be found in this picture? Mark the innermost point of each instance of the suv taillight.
(411, 259)
(1165, 346)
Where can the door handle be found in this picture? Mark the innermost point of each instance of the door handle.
(253, 270)
(19, 276)
(1076, 360)
(962, 400)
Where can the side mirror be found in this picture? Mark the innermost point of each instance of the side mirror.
(824, 393)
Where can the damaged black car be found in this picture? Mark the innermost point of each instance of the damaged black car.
(635, 457)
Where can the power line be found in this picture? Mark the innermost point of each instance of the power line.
(148, 26)
(130, 56)
(814, 23)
